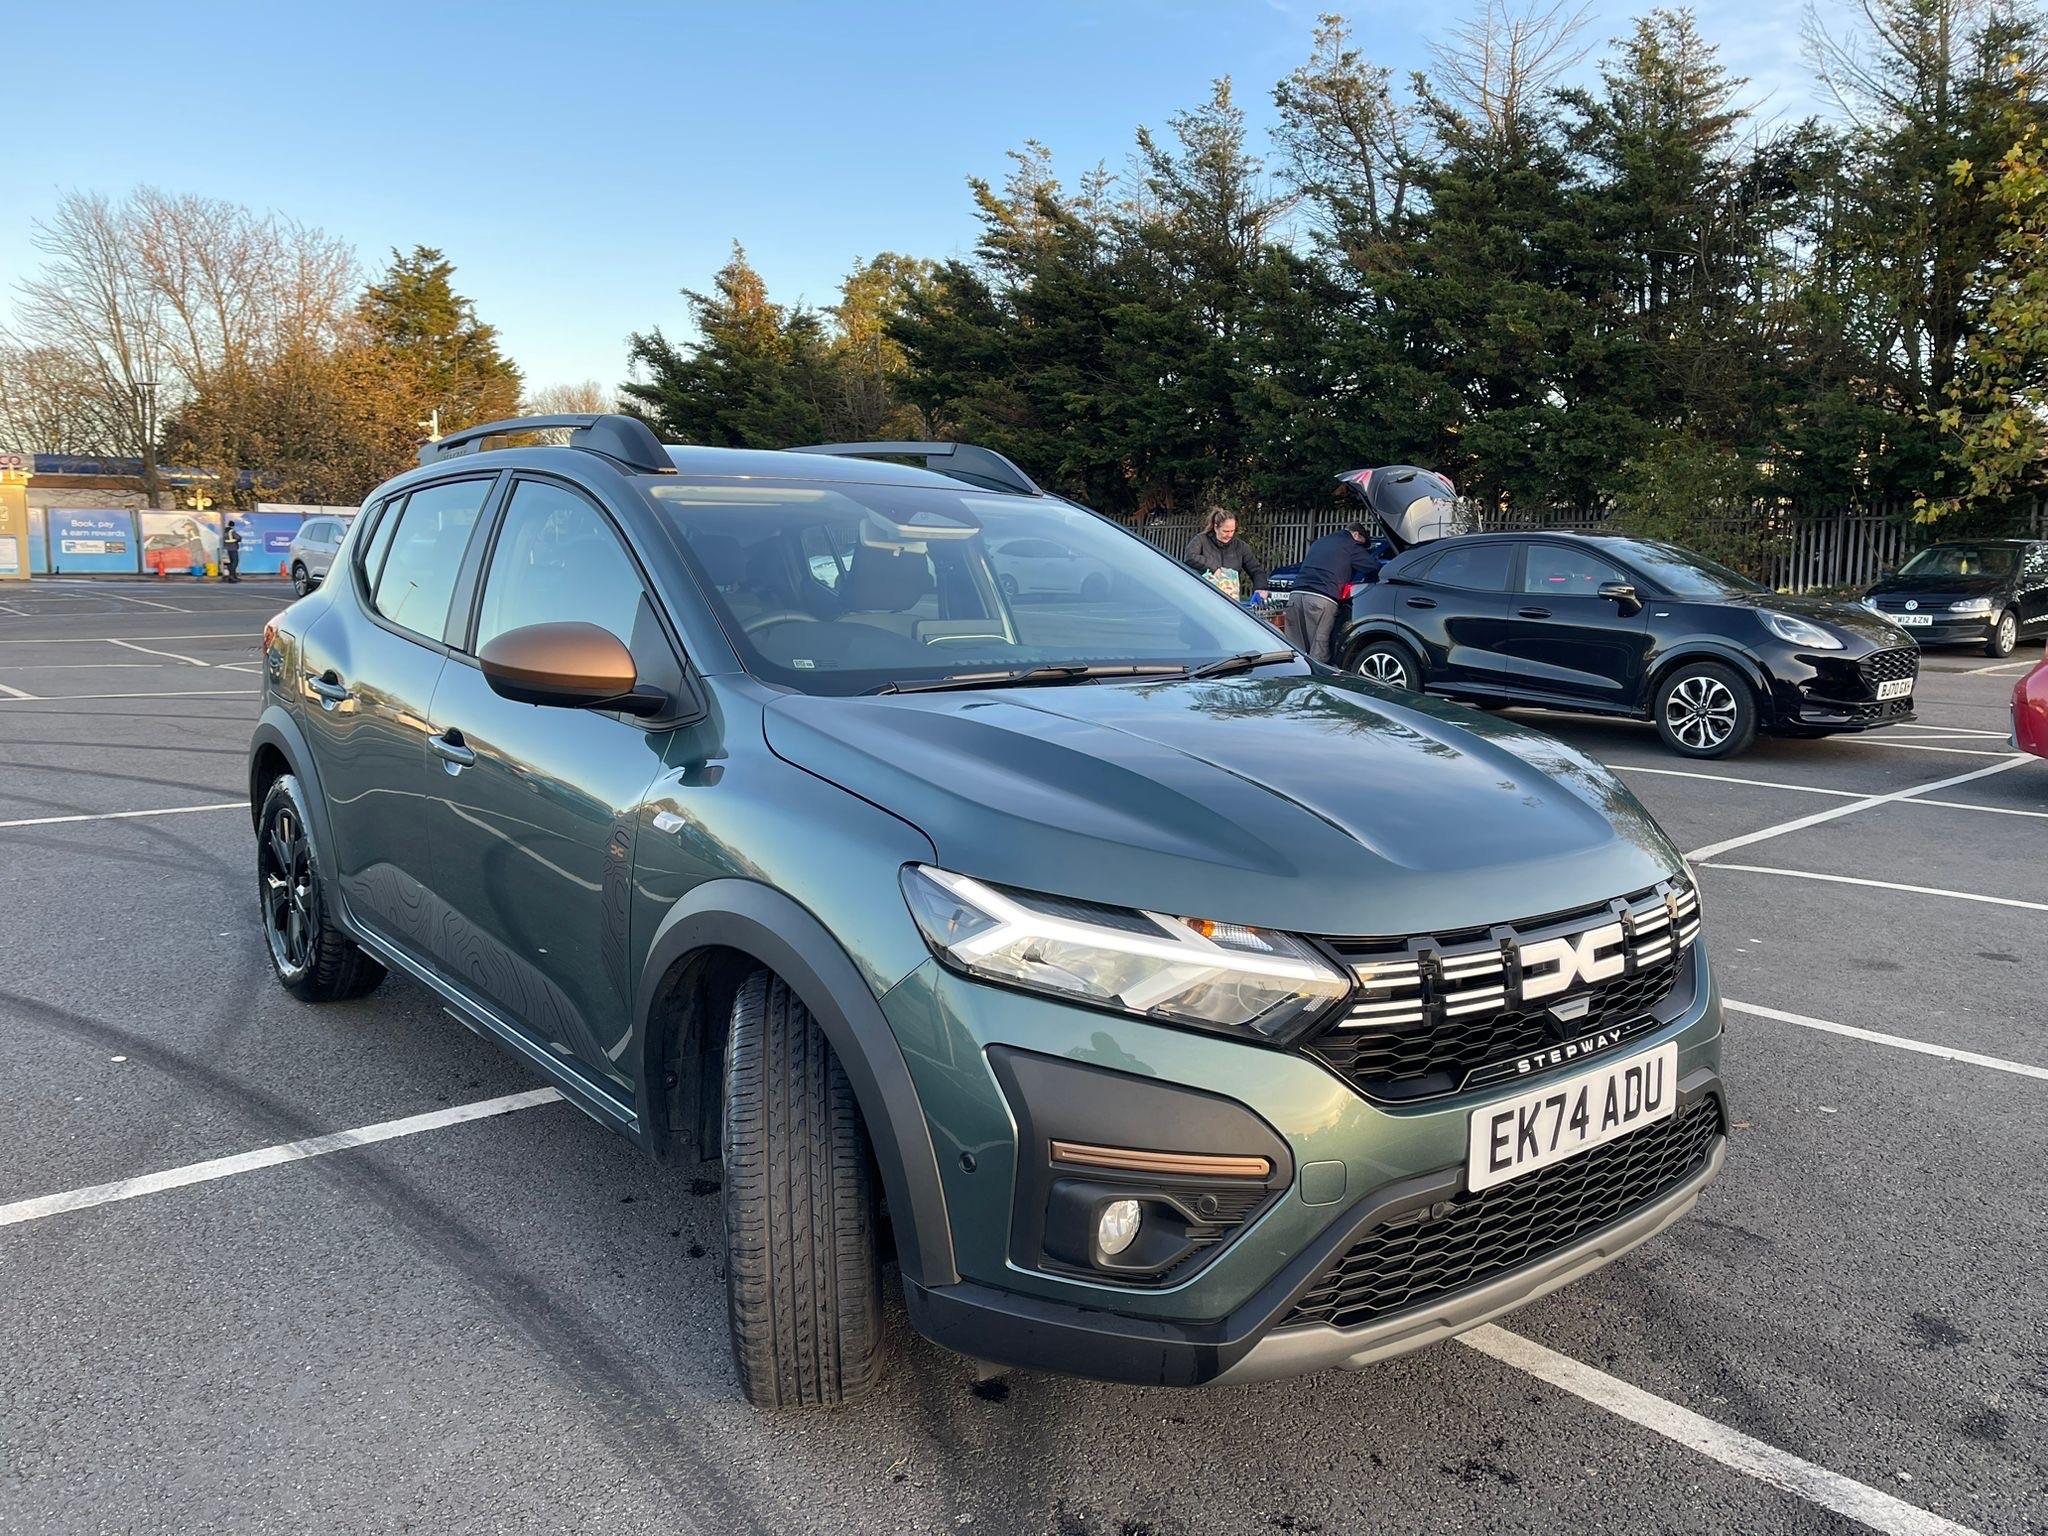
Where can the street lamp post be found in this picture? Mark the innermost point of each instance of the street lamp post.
(145, 395)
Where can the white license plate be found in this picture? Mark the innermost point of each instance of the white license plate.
(1897, 688)
(1548, 1125)
(1913, 620)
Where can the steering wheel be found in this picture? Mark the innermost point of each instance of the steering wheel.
(778, 616)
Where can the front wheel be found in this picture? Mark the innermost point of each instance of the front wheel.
(314, 959)
(803, 1262)
(1388, 662)
(2005, 635)
(1705, 710)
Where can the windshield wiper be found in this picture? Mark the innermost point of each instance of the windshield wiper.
(1243, 661)
(1024, 677)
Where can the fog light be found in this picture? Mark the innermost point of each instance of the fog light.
(1116, 1228)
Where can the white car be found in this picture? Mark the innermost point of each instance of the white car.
(1040, 567)
(311, 554)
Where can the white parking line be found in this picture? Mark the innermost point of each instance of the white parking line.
(169, 810)
(130, 645)
(1914, 746)
(1882, 885)
(1729, 778)
(1964, 805)
(1729, 844)
(13, 693)
(109, 639)
(187, 693)
(1781, 1469)
(140, 602)
(268, 1157)
(2003, 666)
(1948, 730)
(1898, 1042)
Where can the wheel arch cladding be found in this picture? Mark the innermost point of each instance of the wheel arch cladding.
(276, 747)
(782, 936)
(1744, 667)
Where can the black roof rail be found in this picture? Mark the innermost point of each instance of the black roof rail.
(626, 439)
(960, 461)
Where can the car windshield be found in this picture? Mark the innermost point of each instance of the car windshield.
(849, 588)
(1962, 560)
(1683, 573)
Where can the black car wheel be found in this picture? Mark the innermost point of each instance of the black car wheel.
(2005, 635)
(803, 1266)
(1705, 710)
(301, 582)
(313, 958)
(1389, 662)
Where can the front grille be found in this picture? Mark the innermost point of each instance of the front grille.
(1410, 1263)
(1888, 667)
(1431, 1011)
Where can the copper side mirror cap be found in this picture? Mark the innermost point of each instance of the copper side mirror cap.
(569, 666)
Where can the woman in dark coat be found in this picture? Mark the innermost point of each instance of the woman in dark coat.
(1218, 548)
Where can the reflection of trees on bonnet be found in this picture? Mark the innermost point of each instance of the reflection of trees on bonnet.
(1322, 701)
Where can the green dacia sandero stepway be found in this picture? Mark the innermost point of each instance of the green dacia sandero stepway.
(990, 895)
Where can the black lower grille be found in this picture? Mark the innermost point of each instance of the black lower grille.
(1411, 1263)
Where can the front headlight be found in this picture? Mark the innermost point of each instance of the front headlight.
(1799, 632)
(1177, 969)
(1971, 605)
(1869, 604)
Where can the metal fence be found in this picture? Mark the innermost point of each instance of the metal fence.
(1786, 548)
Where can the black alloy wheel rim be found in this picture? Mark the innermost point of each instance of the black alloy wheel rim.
(286, 868)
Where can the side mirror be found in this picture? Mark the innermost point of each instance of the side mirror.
(1623, 594)
(567, 666)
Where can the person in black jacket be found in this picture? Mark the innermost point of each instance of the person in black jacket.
(231, 552)
(1218, 548)
(1333, 562)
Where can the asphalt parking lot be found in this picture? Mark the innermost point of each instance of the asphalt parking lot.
(507, 1320)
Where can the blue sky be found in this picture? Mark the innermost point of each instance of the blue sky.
(580, 165)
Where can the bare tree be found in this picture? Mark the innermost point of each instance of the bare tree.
(587, 398)
(1493, 67)
(93, 303)
(51, 402)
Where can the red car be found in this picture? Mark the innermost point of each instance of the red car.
(2030, 711)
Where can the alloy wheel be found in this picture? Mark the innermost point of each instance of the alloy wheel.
(287, 875)
(302, 583)
(2008, 633)
(1384, 667)
(1701, 712)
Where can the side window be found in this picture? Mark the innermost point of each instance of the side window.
(370, 556)
(557, 561)
(1475, 568)
(1562, 570)
(423, 554)
(2037, 562)
(826, 559)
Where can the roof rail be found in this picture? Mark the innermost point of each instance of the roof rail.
(626, 439)
(962, 461)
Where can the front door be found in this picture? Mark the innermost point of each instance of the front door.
(1567, 642)
(369, 668)
(533, 808)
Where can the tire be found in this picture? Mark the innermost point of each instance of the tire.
(1008, 584)
(1094, 587)
(301, 582)
(803, 1266)
(1705, 710)
(313, 958)
(2005, 635)
(1388, 662)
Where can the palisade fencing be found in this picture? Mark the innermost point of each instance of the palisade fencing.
(1788, 548)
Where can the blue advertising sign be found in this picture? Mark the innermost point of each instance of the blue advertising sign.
(266, 536)
(93, 539)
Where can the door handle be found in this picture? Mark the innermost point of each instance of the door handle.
(328, 688)
(1421, 602)
(1533, 613)
(449, 747)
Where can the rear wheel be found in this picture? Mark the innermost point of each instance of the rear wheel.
(1705, 710)
(2005, 634)
(314, 959)
(803, 1266)
(1389, 662)
(302, 583)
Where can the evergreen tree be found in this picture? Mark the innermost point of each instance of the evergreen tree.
(431, 332)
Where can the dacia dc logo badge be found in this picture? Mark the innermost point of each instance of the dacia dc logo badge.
(1551, 966)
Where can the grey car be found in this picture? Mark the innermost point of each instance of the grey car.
(311, 553)
(1163, 1007)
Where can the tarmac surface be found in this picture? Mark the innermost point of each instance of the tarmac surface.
(514, 1322)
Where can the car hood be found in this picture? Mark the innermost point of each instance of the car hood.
(1938, 586)
(1317, 804)
(1880, 633)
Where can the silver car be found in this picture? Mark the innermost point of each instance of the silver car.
(311, 554)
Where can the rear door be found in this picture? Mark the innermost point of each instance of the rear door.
(1568, 642)
(533, 810)
(368, 669)
(2031, 596)
(1460, 605)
